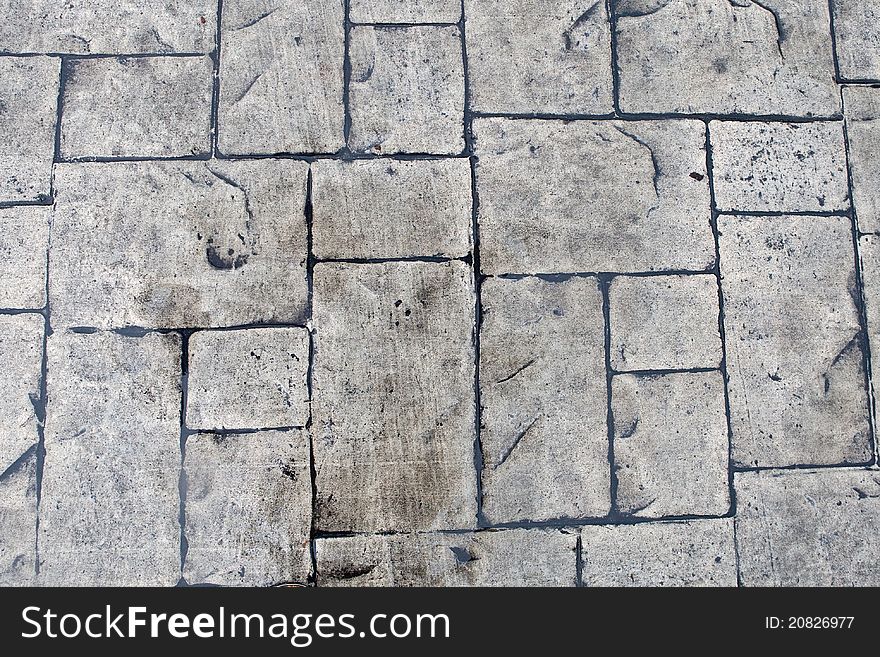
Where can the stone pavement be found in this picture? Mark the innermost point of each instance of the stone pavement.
(480, 292)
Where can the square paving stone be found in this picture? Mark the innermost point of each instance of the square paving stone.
(664, 322)
(808, 528)
(137, 107)
(409, 11)
(21, 357)
(18, 521)
(498, 558)
(407, 90)
(179, 244)
(671, 444)
(393, 396)
(248, 379)
(23, 252)
(248, 508)
(585, 196)
(862, 111)
(281, 77)
(530, 56)
(386, 208)
(794, 344)
(857, 27)
(779, 167)
(109, 507)
(726, 57)
(543, 393)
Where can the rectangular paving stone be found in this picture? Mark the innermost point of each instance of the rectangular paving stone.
(21, 357)
(137, 107)
(726, 57)
(23, 252)
(393, 396)
(109, 507)
(248, 379)
(780, 167)
(869, 255)
(248, 508)
(179, 244)
(407, 90)
(794, 344)
(670, 444)
(664, 322)
(531, 56)
(857, 28)
(28, 108)
(281, 77)
(692, 553)
(409, 11)
(862, 110)
(808, 528)
(391, 209)
(582, 196)
(544, 402)
(515, 557)
(18, 522)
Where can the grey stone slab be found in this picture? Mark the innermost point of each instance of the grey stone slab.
(178, 244)
(137, 107)
(407, 90)
(808, 528)
(794, 344)
(108, 26)
(281, 76)
(664, 322)
(677, 554)
(393, 396)
(543, 394)
(28, 108)
(862, 112)
(857, 27)
(386, 208)
(779, 167)
(23, 252)
(531, 56)
(869, 255)
(109, 506)
(569, 196)
(726, 57)
(671, 445)
(21, 357)
(18, 522)
(248, 508)
(409, 11)
(248, 379)
(498, 558)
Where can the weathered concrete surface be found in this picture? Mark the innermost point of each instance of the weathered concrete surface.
(504, 558)
(794, 344)
(862, 111)
(21, 356)
(588, 196)
(109, 508)
(543, 397)
(178, 244)
(23, 252)
(137, 107)
(808, 528)
(411, 11)
(393, 396)
(391, 209)
(248, 508)
(857, 26)
(248, 379)
(18, 522)
(869, 254)
(531, 56)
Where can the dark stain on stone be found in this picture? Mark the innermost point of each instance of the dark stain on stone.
(227, 261)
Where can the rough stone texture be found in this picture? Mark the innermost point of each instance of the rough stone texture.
(263, 375)
(671, 444)
(248, 508)
(869, 254)
(726, 57)
(21, 356)
(137, 107)
(561, 196)
(386, 209)
(780, 167)
(664, 322)
(407, 90)
(543, 394)
(23, 248)
(862, 111)
(281, 77)
(393, 396)
(18, 522)
(177, 244)
(532, 56)
(808, 528)
(505, 558)
(410, 11)
(693, 553)
(794, 345)
(28, 108)
(857, 26)
(109, 508)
